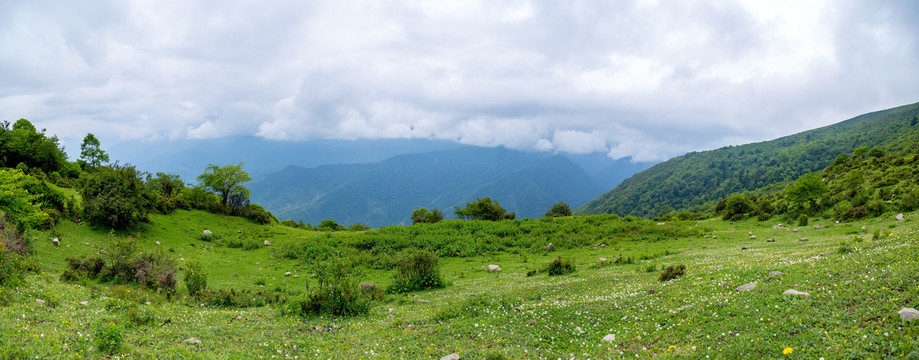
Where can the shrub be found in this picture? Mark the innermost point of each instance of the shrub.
(560, 266)
(910, 202)
(358, 227)
(116, 197)
(337, 293)
(155, 270)
(672, 272)
(481, 209)
(330, 225)
(802, 220)
(79, 268)
(422, 215)
(108, 337)
(234, 298)
(195, 277)
(256, 213)
(417, 271)
(559, 209)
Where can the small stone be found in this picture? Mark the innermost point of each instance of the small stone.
(453, 356)
(770, 239)
(908, 313)
(146, 303)
(550, 247)
(753, 236)
(651, 292)
(367, 285)
(296, 276)
(609, 338)
(602, 260)
(158, 243)
(191, 341)
(267, 243)
(39, 301)
(602, 245)
(84, 303)
(816, 226)
(493, 268)
(746, 287)
(803, 239)
(206, 233)
(422, 301)
(900, 216)
(287, 273)
(795, 292)
(56, 242)
(516, 309)
(103, 252)
(659, 224)
(776, 273)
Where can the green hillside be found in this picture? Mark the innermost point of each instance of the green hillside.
(698, 178)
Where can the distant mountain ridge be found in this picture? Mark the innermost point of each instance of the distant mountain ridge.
(385, 193)
(697, 178)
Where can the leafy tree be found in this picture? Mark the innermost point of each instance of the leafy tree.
(116, 197)
(21, 143)
(842, 159)
(876, 152)
(16, 202)
(422, 215)
(860, 152)
(91, 152)
(226, 182)
(559, 209)
(330, 225)
(736, 206)
(807, 189)
(482, 209)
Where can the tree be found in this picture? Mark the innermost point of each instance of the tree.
(807, 189)
(21, 143)
(168, 185)
(736, 206)
(481, 209)
(422, 215)
(559, 209)
(16, 203)
(91, 152)
(225, 182)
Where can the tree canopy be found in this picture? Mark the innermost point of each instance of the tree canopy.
(482, 209)
(559, 209)
(91, 151)
(22, 144)
(226, 182)
(423, 215)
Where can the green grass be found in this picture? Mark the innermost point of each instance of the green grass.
(851, 313)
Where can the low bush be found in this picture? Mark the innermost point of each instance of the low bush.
(337, 293)
(560, 266)
(236, 298)
(672, 272)
(84, 267)
(195, 277)
(108, 337)
(416, 271)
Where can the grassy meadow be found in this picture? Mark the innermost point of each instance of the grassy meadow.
(858, 275)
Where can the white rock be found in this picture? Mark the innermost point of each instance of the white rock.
(602, 260)
(267, 243)
(158, 243)
(84, 303)
(296, 276)
(493, 268)
(908, 314)
(287, 273)
(900, 216)
(795, 292)
(56, 242)
(746, 287)
(453, 356)
(191, 341)
(39, 301)
(206, 233)
(609, 338)
(753, 236)
(776, 273)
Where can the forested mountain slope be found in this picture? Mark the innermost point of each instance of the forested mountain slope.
(697, 178)
(385, 193)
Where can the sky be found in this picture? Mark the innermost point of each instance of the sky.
(646, 79)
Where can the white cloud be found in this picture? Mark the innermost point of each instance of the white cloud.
(645, 79)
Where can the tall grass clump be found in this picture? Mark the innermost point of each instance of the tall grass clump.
(416, 271)
(672, 272)
(337, 292)
(195, 277)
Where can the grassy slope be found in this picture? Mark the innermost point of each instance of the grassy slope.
(852, 310)
(698, 178)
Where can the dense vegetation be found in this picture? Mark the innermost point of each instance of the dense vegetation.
(697, 180)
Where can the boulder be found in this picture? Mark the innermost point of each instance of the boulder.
(493, 268)
(795, 292)
(746, 287)
(84, 303)
(191, 341)
(158, 243)
(908, 314)
(609, 338)
(900, 216)
(453, 356)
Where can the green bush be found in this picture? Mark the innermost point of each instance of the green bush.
(802, 220)
(115, 197)
(108, 337)
(79, 268)
(560, 266)
(337, 293)
(417, 271)
(195, 277)
(424, 216)
(483, 209)
(672, 272)
(235, 298)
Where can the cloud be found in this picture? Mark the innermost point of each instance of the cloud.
(644, 79)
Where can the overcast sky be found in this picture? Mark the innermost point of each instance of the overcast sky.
(648, 79)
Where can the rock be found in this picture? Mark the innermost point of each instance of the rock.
(816, 226)
(103, 252)
(776, 273)
(609, 338)
(753, 236)
(659, 224)
(516, 309)
(296, 276)
(493, 268)
(56, 242)
(602, 260)
(651, 292)
(794, 230)
(206, 233)
(908, 314)
(453, 356)
(191, 341)
(287, 273)
(267, 243)
(602, 245)
(550, 247)
(158, 243)
(900, 216)
(803, 239)
(39, 301)
(772, 239)
(367, 285)
(422, 301)
(84, 303)
(714, 237)
(795, 292)
(746, 287)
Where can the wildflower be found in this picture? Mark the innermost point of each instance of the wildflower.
(787, 351)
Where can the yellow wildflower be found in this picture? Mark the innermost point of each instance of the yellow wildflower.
(787, 351)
